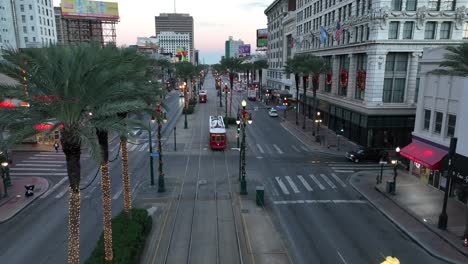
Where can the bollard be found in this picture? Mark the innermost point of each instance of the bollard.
(260, 195)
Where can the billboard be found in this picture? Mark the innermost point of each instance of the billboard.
(244, 50)
(90, 9)
(262, 37)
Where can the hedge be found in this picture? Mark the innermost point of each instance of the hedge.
(128, 237)
(190, 109)
(192, 101)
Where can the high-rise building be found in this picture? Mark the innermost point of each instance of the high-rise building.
(7, 26)
(232, 48)
(179, 24)
(373, 48)
(27, 24)
(175, 43)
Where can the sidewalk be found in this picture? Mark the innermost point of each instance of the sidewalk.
(414, 209)
(16, 200)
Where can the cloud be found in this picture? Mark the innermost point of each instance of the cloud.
(254, 5)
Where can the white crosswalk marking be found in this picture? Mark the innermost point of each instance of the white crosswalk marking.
(39, 173)
(260, 149)
(338, 180)
(325, 178)
(296, 149)
(49, 155)
(61, 194)
(133, 147)
(37, 165)
(317, 182)
(278, 149)
(144, 147)
(293, 185)
(305, 183)
(281, 185)
(305, 149)
(46, 161)
(36, 169)
(117, 195)
(344, 171)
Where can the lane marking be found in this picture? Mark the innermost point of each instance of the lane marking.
(342, 259)
(42, 158)
(317, 182)
(305, 149)
(37, 169)
(361, 168)
(54, 188)
(117, 195)
(338, 180)
(260, 148)
(293, 185)
(281, 185)
(47, 161)
(296, 149)
(38, 165)
(132, 148)
(337, 202)
(344, 171)
(325, 178)
(61, 194)
(305, 183)
(90, 192)
(144, 147)
(49, 155)
(278, 149)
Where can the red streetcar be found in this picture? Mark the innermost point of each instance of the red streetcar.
(202, 96)
(218, 138)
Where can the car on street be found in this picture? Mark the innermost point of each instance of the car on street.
(368, 154)
(272, 112)
(135, 131)
(181, 94)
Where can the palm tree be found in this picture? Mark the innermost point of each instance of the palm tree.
(456, 61)
(231, 65)
(260, 65)
(311, 65)
(80, 79)
(184, 70)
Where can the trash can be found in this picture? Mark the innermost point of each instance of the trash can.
(390, 187)
(260, 195)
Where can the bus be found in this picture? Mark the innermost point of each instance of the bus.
(218, 138)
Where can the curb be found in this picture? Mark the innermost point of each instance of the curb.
(433, 230)
(401, 227)
(36, 196)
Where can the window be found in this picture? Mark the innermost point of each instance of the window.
(408, 30)
(411, 5)
(31, 18)
(395, 77)
(429, 32)
(22, 8)
(30, 7)
(465, 30)
(393, 30)
(416, 92)
(427, 119)
(396, 5)
(447, 5)
(34, 39)
(358, 5)
(26, 39)
(438, 122)
(32, 28)
(451, 122)
(361, 65)
(23, 18)
(25, 29)
(445, 29)
(434, 5)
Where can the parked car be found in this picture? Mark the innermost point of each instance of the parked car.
(367, 155)
(181, 94)
(135, 131)
(272, 112)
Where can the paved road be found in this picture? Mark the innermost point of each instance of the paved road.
(323, 218)
(39, 232)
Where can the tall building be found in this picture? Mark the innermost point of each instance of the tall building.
(373, 48)
(27, 23)
(8, 35)
(231, 49)
(281, 18)
(174, 43)
(177, 23)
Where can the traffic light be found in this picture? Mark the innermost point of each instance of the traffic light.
(294, 107)
(238, 128)
(341, 131)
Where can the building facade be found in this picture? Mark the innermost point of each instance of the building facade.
(373, 48)
(177, 23)
(27, 24)
(172, 42)
(231, 47)
(440, 107)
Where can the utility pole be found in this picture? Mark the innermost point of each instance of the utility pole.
(443, 218)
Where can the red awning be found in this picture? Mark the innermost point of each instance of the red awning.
(424, 154)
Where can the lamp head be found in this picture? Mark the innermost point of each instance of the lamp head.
(394, 162)
(5, 164)
(238, 122)
(398, 149)
(153, 119)
(318, 113)
(249, 121)
(244, 103)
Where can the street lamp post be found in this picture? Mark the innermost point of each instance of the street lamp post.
(186, 105)
(245, 120)
(318, 121)
(443, 217)
(4, 172)
(151, 151)
(395, 167)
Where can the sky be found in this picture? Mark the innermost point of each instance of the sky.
(214, 21)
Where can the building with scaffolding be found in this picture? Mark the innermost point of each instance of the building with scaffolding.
(86, 21)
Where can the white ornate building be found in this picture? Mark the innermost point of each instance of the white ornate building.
(171, 42)
(371, 88)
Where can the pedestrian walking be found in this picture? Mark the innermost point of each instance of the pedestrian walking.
(56, 147)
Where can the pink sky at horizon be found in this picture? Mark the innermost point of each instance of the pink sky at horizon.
(214, 21)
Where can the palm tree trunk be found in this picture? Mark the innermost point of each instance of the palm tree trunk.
(106, 194)
(304, 83)
(314, 90)
(296, 79)
(231, 82)
(126, 177)
(72, 149)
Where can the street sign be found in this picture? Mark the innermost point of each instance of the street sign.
(280, 107)
(154, 154)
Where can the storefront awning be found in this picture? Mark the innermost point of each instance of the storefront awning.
(427, 155)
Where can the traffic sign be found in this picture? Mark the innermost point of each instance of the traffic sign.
(281, 107)
(154, 154)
